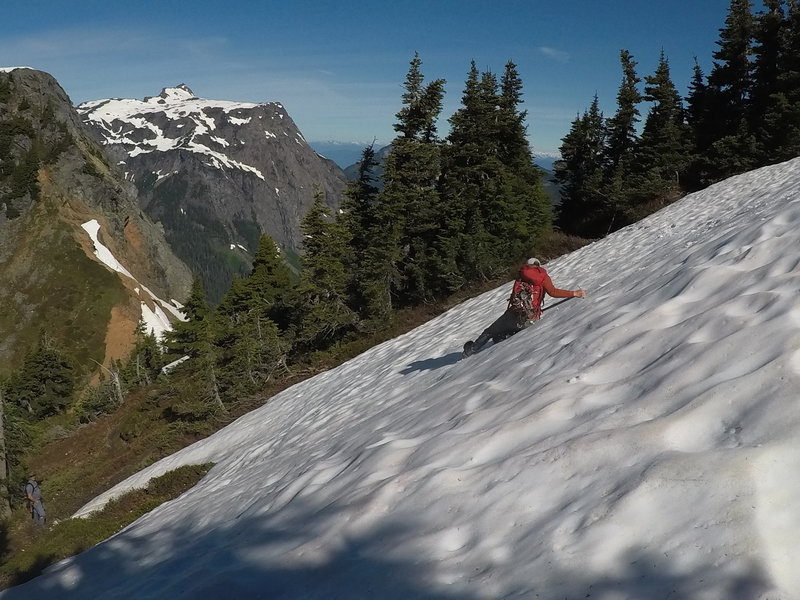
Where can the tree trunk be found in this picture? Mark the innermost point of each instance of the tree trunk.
(5, 499)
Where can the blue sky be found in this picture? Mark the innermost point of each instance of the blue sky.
(338, 67)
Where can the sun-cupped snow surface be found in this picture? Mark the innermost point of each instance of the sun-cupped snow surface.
(155, 319)
(641, 443)
(127, 121)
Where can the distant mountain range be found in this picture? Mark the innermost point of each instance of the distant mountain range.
(215, 174)
(346, 154)
(345, 150)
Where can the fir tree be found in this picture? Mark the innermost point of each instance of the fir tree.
(664, 147)
(732, 146)
(409, 205)
(470, 161)
(266, 291)
(622, 142)
(584, 208)
(45, 383)
(187, 336)
(323, 316)
(622, 137)
(527, 204)
(779, 136)
(765, 101)
(146, 359)
(368, 289)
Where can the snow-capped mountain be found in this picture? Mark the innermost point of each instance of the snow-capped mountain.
(215, 174)
(639, 444)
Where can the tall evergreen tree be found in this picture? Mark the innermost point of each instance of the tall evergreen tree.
(43, 386)
(523, 195)
(368, 286)
(765, 100)
(584, 208)
(187, 337)
(622, 142)
(664, 147)
(470, 159)
(779, 136)
(622, 137)
(323, 316)
(145, 360)
(732, 147)
(493, 194)
(409, 205)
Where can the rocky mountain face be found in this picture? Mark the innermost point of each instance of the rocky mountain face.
(215, 174)
(54, 179)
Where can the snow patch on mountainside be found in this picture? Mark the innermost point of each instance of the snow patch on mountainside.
(155, 319)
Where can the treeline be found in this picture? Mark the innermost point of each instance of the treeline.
(743, 115)
(451, 211)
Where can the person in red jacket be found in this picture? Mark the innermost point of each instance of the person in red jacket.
(512, 320)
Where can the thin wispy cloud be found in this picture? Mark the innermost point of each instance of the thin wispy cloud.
(552, 53)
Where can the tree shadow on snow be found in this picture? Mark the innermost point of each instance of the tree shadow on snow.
(303, 550)
(653, 576)
(430, 364)
(188, 562)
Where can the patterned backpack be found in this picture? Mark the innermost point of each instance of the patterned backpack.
(526, 300)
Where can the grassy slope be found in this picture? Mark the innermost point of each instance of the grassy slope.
(50, 284)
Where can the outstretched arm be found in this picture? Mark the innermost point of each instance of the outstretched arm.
(555, 292)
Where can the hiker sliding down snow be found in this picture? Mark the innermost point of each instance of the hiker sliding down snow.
(524, 305)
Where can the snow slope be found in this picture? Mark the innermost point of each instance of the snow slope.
(641, 443)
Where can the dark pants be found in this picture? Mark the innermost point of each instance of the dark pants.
(503, 327)
(37, 512)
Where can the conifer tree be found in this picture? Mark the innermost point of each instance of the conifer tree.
(622, 142)
(187, 336)
(323, 316)
(266, 291)
(146, 359)
(779, 136)
(732, 146)
(470, 161)
(250, 351)
(409, 205)
(490, 187)
(584, 208)
(622, 137)
(43, 386)
(524, 199)
(368, 288)
(699, 121)
(764, 101)
(664, 147)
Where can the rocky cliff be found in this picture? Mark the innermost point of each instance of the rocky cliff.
(54, 179)
(215, 174)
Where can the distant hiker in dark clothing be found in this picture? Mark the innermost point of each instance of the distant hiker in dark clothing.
(34, 496)
(524, 305)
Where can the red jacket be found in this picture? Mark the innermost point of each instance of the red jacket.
(538, 276)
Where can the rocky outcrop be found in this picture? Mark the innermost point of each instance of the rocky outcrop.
(54, 177)
(215, 174)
